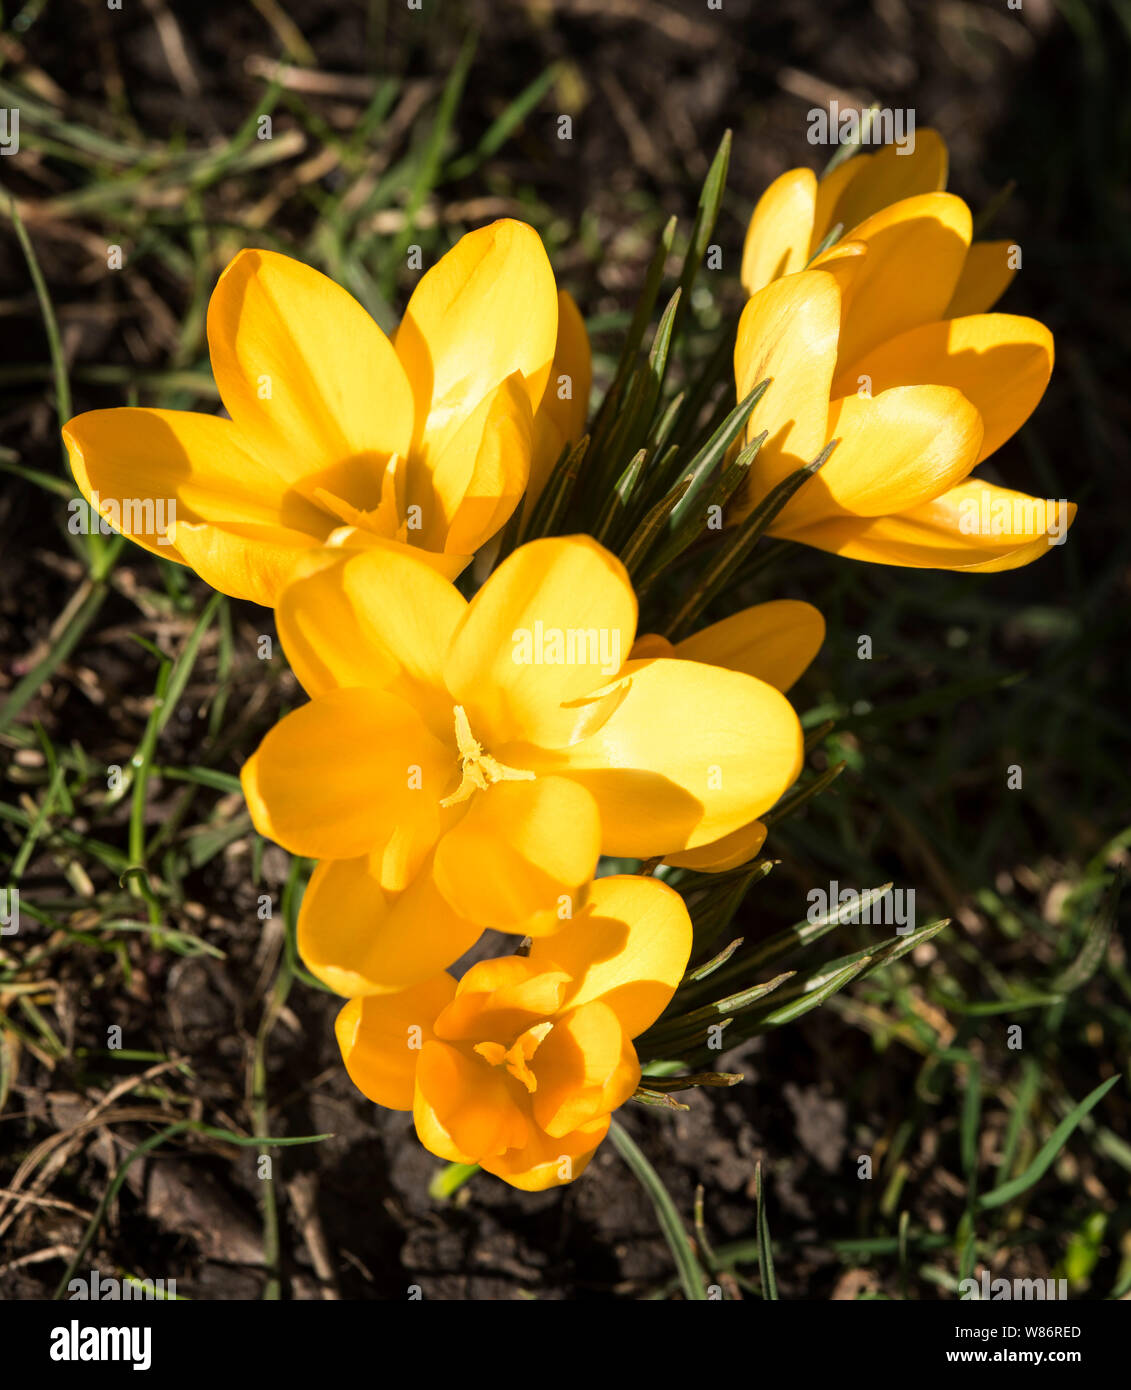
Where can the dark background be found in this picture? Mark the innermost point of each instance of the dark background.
(126, 131)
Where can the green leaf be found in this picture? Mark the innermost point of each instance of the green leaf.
(1095, 943)
(802, 934)
(716, 961)
(795, 800)
(1048, 1151)
(615, 509)
(447, 1181)
(789, 1013)
(686, 1263)
(765, 1249)
(736, 546)
(431, 158)
(503, 126)
(202, 776)
(706, 216)
(831, 236)
(712, 455)
(688, 523)
(699, 1078)
(556, 495)
(82, 610)
(676, 1033)
(648, 1095)
(652, 525)
(609, 411)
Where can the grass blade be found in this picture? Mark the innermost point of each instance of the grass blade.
(686, 1262)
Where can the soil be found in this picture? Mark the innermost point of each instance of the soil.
(655, 86)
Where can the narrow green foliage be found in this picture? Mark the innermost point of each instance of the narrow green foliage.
(554, 501)
(734, 547)
(690, 1274)
(765, 1250)
(1049, 1150)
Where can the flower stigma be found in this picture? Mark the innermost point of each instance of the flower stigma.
(479, 770)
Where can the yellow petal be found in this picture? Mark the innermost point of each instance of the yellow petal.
(777, 239)
(381, 618)
(561, 416)
(381, 1039)
(479, 477)
(335, 778)
(955, 531)
(512, 975)
(432, 1134)
(729, 852)
(147, 470)
(252, 562)
(787, 332)
(895, 450)
(628, 949)
(1001, 363)
(915, 252)
(519, 850)
(544, 1162)
(867, 183)
(985, 278)
(585, 1067)
(773, 642)
(553, 623)
(487, 309)
(360, 940)
(567, 401)
(500, 999)
(832, 193)
(665, 782)
(355, 540)
(308, 377)
(844, 261)
(469, 1102)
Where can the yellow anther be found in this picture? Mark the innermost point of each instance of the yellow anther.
(478, 769)
(516, 1058)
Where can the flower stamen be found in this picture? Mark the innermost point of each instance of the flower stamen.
(478, 770)
(516, 1058)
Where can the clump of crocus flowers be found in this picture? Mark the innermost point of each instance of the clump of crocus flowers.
(474, 755)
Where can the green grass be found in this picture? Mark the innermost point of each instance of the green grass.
(969, 676)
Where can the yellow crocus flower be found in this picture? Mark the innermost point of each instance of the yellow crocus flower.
(337, 434)
(463, 765)
(862, 348)
(519, 1066)
(799, 211)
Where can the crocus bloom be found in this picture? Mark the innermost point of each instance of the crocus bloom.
(338, 433)
(519, 1066)
(799, 211)
(859, 350)
(462, 765)
(884, 343)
